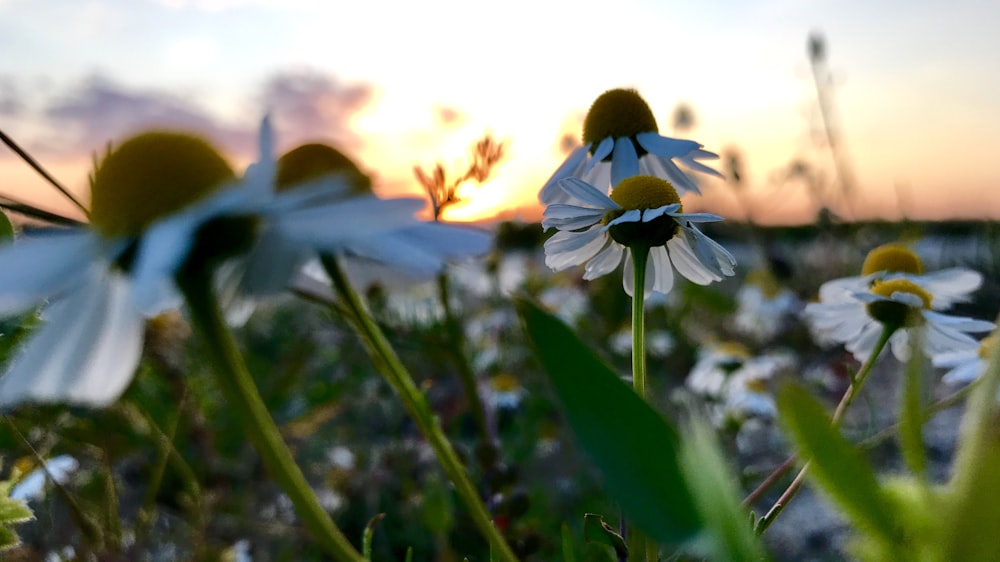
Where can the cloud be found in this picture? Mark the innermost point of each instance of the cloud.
(99, 110)
(11, 100)
(307, 105)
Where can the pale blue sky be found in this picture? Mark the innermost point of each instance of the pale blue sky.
(916, 85)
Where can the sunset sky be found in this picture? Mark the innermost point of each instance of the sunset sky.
(396, 84)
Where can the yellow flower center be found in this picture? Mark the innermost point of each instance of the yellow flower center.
(894, 258)
(643, 193)
(314, 161)
(151, 176)
(505, 383)
(617, 113)
(896, 313)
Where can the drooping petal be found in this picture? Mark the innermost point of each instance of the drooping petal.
(628, 279)
(634, 215)
(328, 226)
(665, 147)
(602, 151)
(961, 323)
(567, 248)
(33, 269)
(605, 261)
(681, 181)
(624, 161)
(663, 270)
(572, 166)
(652, 214)
(687, 262)
(691, 161)
(864, 342)
(698, 217)
(85, 354)
(570, 217)
(588, 194)
(950, 286)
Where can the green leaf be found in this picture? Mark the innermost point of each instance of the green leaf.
(834, 463)
(14, 511)
(728, 528)
(595, 530)
(634, 448)
(8, 538)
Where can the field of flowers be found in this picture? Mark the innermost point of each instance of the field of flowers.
(166, 472)
(279, 365)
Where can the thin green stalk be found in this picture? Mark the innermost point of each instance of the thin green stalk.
(640, 256)
(845, 401)
(386, 360)
(242, 397)
(641, 548)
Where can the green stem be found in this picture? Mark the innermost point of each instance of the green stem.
(243, 398)
(640, 256)
(386, 360)
(845, 401)
(641, 548)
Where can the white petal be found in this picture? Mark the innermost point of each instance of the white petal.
(571, 167)
(161, 252)
(950, 285)
(665, 147)
(87, 352)
(965, 372)
(570, 217)
(864, 343)
(681, 181)
(698, 217)
(37, 268)
(663, 270)
(687, 263)
(635, 215)
(329, 226)
(269, 266)
(588, 194)
(624, 161)
(652, 214)
(899, 344)
(628, 275)
(602, 151)
(605, 261)
(959, 322)
(567, 248)
(690, 161)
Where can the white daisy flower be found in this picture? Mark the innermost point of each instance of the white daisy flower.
(853, 313)
(715, 363)
(89, 345)
(762, 306)
(642, 212)
(403, 245)
(895, 261)
(620, 140)
(967, 365)
(504, 391)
